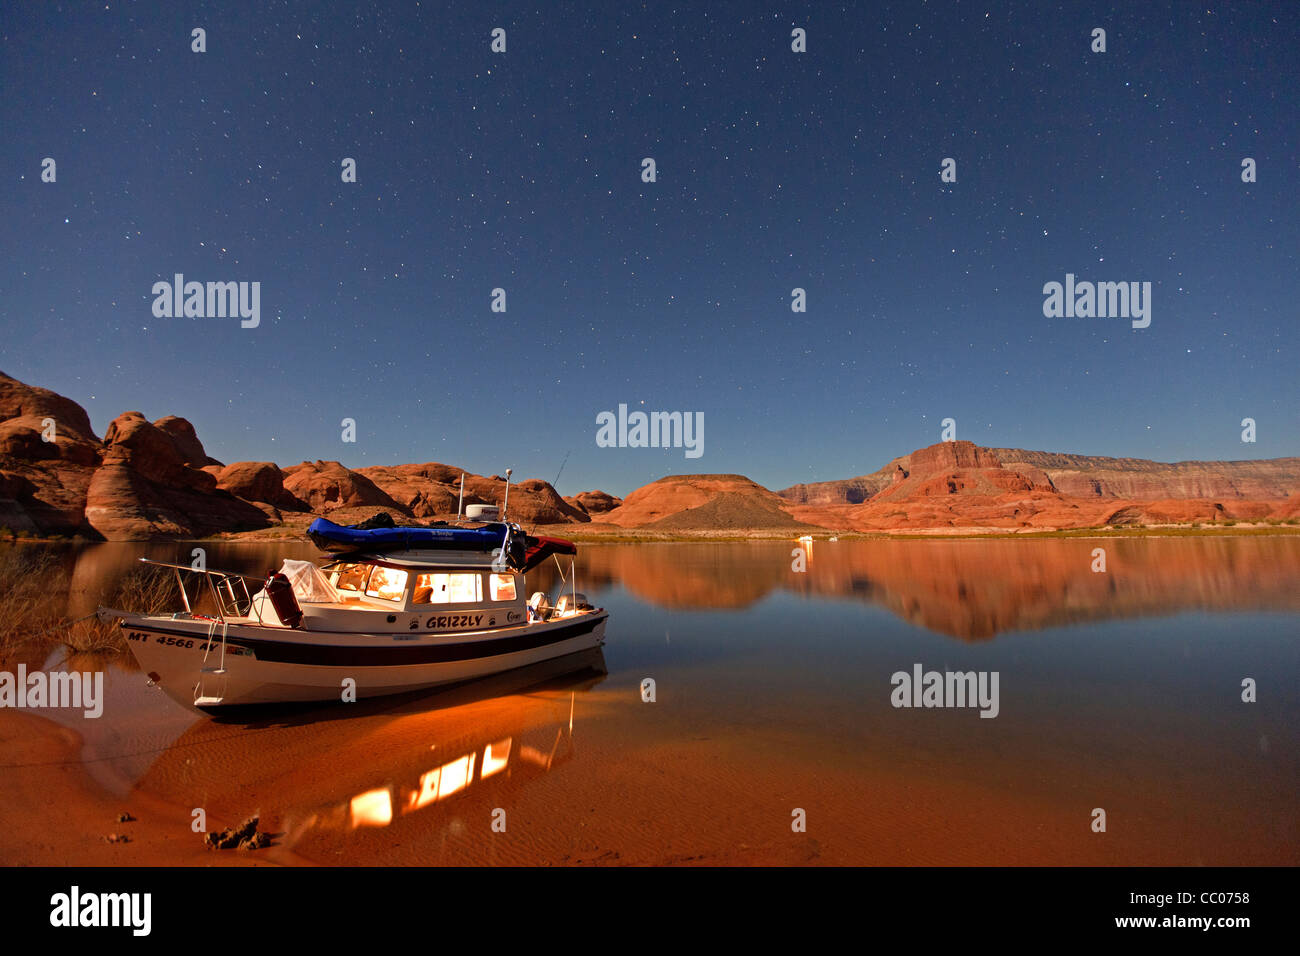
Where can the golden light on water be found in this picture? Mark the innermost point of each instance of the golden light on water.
(374, 808)
(495, 758)
(377, 807)
(455, 776)
(534, 756)
(428, 791)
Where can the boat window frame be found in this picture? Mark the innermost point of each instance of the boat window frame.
(413, 572)
(515, 589)
(363, 594)
(401, 599)
(477, 602)
(334, 569)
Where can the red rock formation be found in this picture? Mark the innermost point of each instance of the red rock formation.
(43, 484)
(149, 451)
(18, 400)
(256, 481)
(960, 485)
(732, 511)
(433, 490)
(145, 487)
(676, 493)
(595, 502)
(149, 479)
(141, 481)
(950, 468)
(24, 413)
(1087, 476)
(950, 455)
(123, 505)
(186, 440)
(1094, 476)
(846, 491)
(534, 501)
(327, 485)
(425, 490)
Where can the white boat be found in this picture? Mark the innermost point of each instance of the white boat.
(438, 608)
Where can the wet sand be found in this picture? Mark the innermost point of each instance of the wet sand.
(54, 813)
(691, 802)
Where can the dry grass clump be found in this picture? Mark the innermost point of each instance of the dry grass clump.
(145, 589)
(33, 594)
(28, 578)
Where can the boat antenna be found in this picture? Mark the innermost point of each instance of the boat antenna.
(460, 502)
(561, 471)
(505, 507)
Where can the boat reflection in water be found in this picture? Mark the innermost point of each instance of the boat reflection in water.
(533, 752)
(433, 766)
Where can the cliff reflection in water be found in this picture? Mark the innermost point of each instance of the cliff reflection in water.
(971, 589)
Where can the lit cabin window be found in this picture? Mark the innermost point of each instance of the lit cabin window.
(503, 587)
(387, 584)
(447, 588)
(350, 577)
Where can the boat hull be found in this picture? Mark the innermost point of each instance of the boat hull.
(264, 665)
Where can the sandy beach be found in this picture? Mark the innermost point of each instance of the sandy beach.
(56, 814)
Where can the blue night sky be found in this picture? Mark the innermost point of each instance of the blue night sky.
(776, 170)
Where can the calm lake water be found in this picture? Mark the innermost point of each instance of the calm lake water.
(1119, 691)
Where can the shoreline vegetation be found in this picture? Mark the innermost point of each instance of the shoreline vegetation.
(29, 576)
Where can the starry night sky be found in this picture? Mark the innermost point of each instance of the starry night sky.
(776, 170)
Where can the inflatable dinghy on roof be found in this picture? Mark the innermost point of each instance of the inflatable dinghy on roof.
(336, 538)
(523, 551)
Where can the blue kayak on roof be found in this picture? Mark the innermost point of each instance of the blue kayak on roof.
(332, 537)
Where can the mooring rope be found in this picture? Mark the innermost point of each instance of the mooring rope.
(60, 627)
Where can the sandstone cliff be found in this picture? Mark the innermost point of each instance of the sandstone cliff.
(147, 479)
(155, 479)
(1088, 476)
(142, 480)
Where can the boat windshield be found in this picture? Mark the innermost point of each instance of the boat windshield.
(386, 584)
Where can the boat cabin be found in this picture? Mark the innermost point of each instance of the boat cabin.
(424, 591)
(382, 583)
